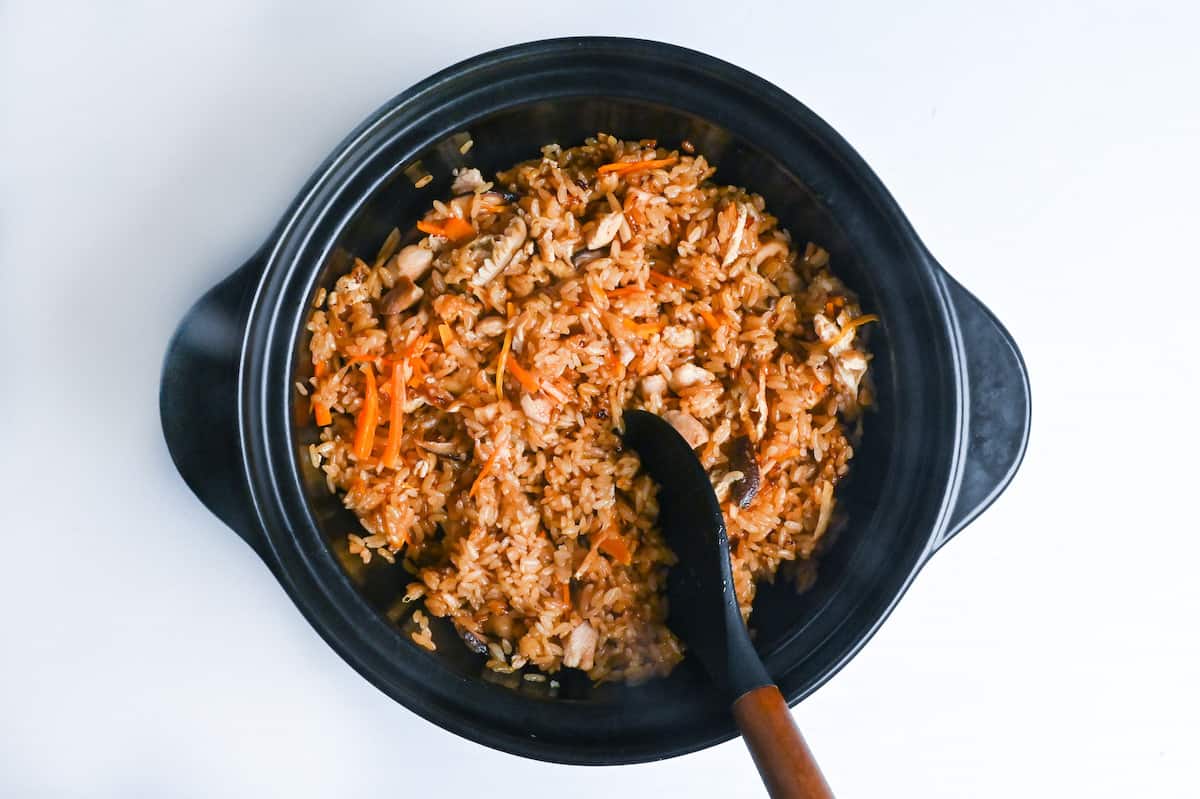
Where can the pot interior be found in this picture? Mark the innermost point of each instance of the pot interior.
(886, 508)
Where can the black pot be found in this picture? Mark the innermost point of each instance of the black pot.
(950, 431)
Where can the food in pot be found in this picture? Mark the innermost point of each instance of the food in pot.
(469, 382)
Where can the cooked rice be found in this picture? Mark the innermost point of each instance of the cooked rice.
(536, 315)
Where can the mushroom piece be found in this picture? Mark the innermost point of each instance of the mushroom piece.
(580, 649)
(741, 459)
(768, 250)
(606, 230)
(474, 642)
(693, 432)
(585, 257)
(503, 250)
(446, 448)
(404, 295)
(689, 375)
(412, 262)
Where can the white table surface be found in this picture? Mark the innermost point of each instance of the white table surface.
(1047, 153)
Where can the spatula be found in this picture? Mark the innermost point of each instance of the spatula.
(704, 610)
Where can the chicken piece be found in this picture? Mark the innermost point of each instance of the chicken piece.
(689, 375)
(536, 408)
(693, 432)
(466, 181)
(403, 296)
(412, 262)
(606, 230)
(580, 649)
(490, 327)
(679, 336)
(849, 368)
(653, 386)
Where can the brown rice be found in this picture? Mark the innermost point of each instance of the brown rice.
(469, 384)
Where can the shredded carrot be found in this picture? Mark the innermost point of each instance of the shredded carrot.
(625, 291)
(368, 417)
(613, 363)
(320, 368)
(501, 362)
(452, 228)
(659, 277)
(488, 466)
(566, 592)
(419, 370)
(853, 323)
(643, 329)
(446, 333)
(615, 547)
(418, 344)
(321, 414)
(709, 318)
(396, 418)
(626, 167)
(818, 387)
(527, 379)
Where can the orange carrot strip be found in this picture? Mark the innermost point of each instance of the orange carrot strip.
(446, 334)
(615, 547)
(395, 417)
(643, 329)
(853, 323)
(527, 379)
(320, 368)
(501, 362)
(626, 167)
(566, 593)
(321, 414)
(452, 228)
(659, 277)
(368, 417)
(419, 370)
(418, 344)
(709, 318)
(626, 291)
(488, 466)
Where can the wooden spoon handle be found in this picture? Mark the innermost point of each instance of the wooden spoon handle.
(784, 761)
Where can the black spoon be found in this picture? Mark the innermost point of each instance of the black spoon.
(704, 610)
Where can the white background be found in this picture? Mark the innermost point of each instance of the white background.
(1047, 153)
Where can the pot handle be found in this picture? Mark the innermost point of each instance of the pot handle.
(999, 408)
(198, 401)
